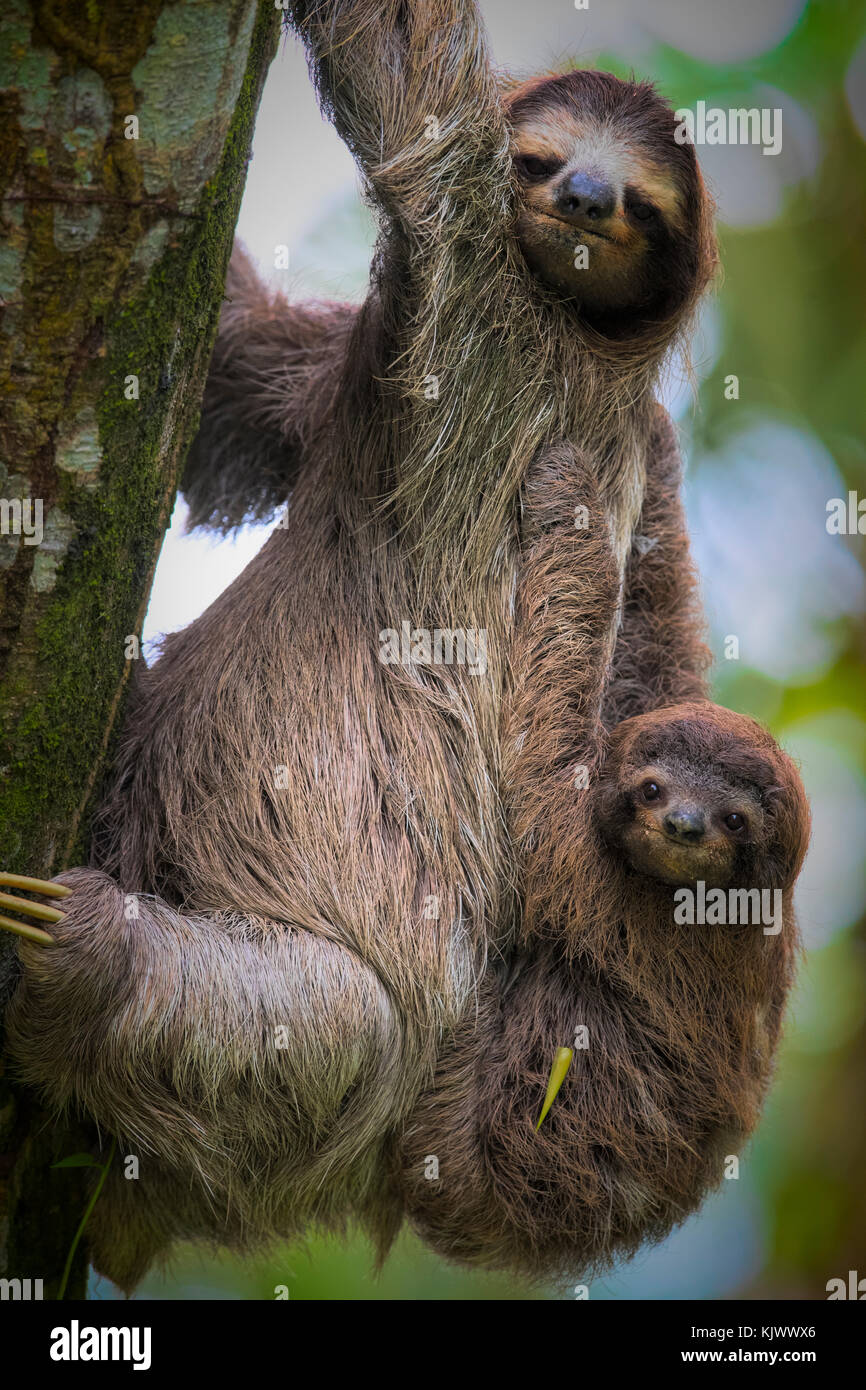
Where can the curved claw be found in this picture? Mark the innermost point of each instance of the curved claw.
(561, 1064)
(39, 910)
(29, 909)
(34, 885)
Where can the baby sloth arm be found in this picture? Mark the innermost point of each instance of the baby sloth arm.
(660, 656)
(563, 696)
(673, 1026)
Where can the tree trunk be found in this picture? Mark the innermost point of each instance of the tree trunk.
(126, 139)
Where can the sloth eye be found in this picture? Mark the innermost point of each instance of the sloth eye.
(535, 167)
(644, 212)
(651, 791)
(735, 821)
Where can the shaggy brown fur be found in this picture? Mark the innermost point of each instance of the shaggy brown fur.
(369, 902)
(271, 388)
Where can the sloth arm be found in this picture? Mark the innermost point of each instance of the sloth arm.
(566, 692)
(410, 88)
(660, 656)
(272, 379)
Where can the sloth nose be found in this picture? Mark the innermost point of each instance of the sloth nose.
(583, 196)
(685, 824)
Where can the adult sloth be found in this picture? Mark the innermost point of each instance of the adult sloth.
(336, 842)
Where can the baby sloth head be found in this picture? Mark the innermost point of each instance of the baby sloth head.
(614, 213)
(698, 792)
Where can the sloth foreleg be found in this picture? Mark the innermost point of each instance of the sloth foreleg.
(273, 369)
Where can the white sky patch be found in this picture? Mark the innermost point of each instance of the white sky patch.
(192, 572)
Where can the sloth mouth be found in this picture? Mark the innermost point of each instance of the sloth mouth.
(572, 226)
(652, 852)
(692, 848)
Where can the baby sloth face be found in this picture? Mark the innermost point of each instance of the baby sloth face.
(695, 792)
(613, 210)
(688, 822)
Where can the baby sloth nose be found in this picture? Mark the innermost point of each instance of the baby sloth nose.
(583, 196)
(683, 823)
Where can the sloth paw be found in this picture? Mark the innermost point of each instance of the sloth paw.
(25, 907)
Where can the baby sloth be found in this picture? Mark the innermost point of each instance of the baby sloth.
(700, 793)
(674, 1029)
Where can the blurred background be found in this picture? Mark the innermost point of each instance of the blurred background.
(764, 459)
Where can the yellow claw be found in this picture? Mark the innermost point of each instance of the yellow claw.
(29, 909)
(28, 932)
(561, 1064)
(44, 914)
(35, 885)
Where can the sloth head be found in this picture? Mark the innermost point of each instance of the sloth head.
(698, 792)
(613, 211)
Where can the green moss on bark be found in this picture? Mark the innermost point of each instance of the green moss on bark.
(107, 275)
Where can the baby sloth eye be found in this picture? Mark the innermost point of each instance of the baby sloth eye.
(651, 791)
(644, 212)
(735, 821)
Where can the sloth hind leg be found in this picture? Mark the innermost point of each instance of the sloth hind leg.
(250, 1059)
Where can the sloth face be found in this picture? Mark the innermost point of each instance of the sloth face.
(613, 210)
(698, 792)
(685, 823)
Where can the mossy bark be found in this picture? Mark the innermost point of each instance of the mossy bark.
(126, 137)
